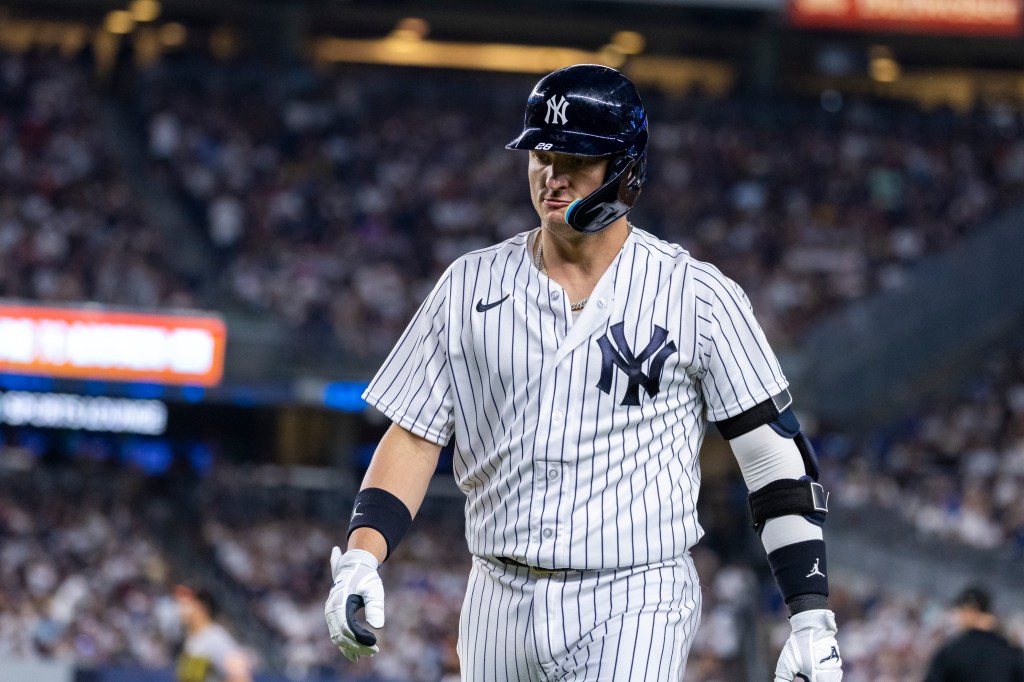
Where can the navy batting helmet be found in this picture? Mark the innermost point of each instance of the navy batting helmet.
(591, 110)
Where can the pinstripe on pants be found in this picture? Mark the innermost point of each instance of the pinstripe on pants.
(617, 625)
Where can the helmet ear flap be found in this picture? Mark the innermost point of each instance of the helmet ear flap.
(637, 174)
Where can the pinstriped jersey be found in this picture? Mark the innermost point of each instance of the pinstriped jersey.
(576, 440)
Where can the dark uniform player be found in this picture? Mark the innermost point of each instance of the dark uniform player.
(979, 653)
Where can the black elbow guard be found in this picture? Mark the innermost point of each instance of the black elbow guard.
(805, 496)
(787, 497)
(776, 413)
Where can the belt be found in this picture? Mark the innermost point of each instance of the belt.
(508, 561)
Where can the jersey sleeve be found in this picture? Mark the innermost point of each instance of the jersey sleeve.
(221, 648)
(739, 368)
(413, 386)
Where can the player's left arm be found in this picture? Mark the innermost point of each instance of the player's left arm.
(746, 395)
(788, 507)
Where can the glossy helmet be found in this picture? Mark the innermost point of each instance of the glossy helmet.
(591, 110)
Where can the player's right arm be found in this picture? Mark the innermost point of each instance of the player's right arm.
(413, 388)
(391, 494)
(403, 466)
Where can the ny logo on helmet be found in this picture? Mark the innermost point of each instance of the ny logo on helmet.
(632, 365)
(556, 110)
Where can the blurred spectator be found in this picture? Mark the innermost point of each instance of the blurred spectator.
(210, 653)
(979, 652)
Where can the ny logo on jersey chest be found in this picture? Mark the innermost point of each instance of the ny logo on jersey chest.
(657, 350)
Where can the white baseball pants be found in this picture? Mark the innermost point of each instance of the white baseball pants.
(618, 625)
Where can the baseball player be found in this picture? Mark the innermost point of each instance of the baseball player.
(577, 366)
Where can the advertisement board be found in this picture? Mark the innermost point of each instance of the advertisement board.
(106, 345)
(964, 17)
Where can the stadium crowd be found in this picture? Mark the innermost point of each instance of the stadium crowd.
(278, 557)
(955, 470)
(72, 229)
(336, 199)
(81, 577)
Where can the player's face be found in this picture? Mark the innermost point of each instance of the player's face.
(556, 180)
(186, 607)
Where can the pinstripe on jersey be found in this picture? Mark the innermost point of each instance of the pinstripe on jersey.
(559, 473)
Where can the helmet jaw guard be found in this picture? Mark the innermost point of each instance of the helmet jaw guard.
(591, 110)
(613, 199)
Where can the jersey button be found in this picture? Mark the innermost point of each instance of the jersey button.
(553, 474)
(557, 416)
(601, 303)
(555, 295)
(548, 532)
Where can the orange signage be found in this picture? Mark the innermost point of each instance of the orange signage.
(81, 343)
(969, 17)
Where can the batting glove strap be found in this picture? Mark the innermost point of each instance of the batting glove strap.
(811, 653)
(356, 586)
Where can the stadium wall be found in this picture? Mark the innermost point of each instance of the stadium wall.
(50, 671)
(37, 671)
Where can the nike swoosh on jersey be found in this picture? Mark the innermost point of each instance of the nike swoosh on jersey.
(482, 307)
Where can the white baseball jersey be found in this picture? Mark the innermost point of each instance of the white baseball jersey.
(576, 440)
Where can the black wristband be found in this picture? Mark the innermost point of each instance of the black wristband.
(800, 570)
(378, 509)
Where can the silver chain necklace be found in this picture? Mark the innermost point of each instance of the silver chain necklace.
(538, 262)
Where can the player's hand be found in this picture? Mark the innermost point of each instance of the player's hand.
(356, 586)
(811, 652)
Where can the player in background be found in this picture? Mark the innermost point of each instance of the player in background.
(577, 365)
(210, 653)
(979, 652)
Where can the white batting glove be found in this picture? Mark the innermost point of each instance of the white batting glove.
(811, 652)
(356, 586)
